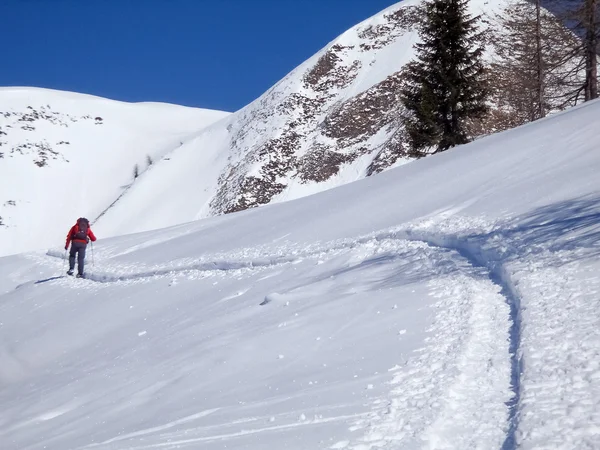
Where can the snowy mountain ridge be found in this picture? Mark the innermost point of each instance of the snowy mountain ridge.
(65, 155)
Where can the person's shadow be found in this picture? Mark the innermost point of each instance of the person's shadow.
(49, 279)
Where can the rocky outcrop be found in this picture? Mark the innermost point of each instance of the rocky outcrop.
(318, 119)
(13, 140)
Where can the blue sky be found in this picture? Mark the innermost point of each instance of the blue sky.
(218, 54)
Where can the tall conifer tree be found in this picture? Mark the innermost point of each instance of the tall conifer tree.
(445, 86)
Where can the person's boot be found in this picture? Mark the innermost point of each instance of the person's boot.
(80, 275)
(70, 272)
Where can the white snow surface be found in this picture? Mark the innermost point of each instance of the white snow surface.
(450, 303)
(88, 163)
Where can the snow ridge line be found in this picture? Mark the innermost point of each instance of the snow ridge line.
(473, 250)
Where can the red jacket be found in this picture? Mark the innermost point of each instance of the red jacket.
(75, 229)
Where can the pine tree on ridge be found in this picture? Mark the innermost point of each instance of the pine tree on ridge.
(445, 86)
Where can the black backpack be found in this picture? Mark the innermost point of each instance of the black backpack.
(83, 226)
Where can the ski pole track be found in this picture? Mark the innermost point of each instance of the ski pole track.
(494, 285)
(172, 435)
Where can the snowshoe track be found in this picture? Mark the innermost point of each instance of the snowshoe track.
(479, 326)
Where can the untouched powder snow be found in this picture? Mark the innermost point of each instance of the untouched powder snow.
(451, 303)
(65, 155)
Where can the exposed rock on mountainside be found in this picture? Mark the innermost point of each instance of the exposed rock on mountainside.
(13, 141)
(322, 116)
(338, 117)
(359, 117)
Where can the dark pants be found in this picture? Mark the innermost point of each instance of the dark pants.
(79, 249)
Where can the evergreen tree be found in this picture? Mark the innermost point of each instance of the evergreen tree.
(445, 87)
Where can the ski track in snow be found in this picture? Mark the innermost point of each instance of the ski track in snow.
(455, 393)
(552, 288)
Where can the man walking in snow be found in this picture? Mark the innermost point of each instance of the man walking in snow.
(79, 235)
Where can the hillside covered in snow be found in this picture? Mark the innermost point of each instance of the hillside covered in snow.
(330, 121)
(450, 303)
(66, 155)
(374, 301)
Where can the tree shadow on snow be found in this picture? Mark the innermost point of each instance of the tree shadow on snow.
(391, 270)
(572, 226)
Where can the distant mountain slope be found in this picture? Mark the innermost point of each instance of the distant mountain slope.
(333, 120)
(64, 155)
(330, 121)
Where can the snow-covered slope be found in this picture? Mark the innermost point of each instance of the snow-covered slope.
(66, 155)
(450, 303)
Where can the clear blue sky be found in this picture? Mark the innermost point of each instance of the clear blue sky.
(218, 54)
